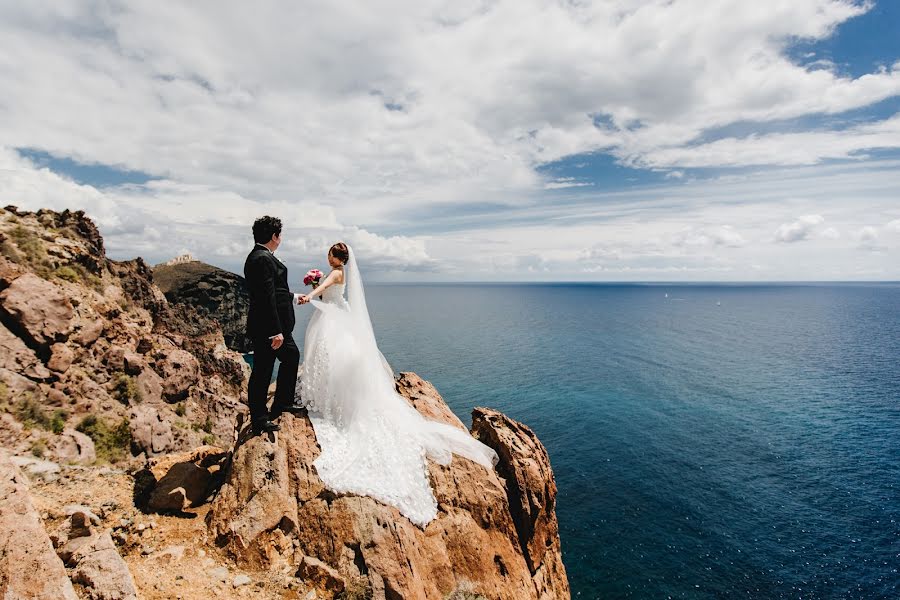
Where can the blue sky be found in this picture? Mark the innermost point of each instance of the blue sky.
(483, 140)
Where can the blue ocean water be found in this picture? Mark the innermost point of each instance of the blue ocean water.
(708, 441)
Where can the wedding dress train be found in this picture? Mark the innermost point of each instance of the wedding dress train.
(373, 442)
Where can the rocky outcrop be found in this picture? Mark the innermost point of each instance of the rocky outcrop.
(29, 568)
(273, 511)
(17, 357)
(91, 347)
(212, 292)
(99, 568)
(39, 310)
(524, 466)
(92, 556)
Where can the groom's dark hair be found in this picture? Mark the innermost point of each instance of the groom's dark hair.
(264, 228)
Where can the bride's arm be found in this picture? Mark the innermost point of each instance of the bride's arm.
(329, 281)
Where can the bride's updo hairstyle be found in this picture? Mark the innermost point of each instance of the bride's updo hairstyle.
(340, 252)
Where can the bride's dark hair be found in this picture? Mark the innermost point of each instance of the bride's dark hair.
(340, 252)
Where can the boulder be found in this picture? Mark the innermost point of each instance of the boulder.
(29, 568)
(150, 385)
(182, 487)
(150, 433)
(208, 457)
(179, 370)
(274, 511)
(314, 571)
(183, 480)
(115, 358)
(37, 469)
(99, 568)
(17, 357)
(72, 446)
(90, 332)
(39, 309)
(61, 358)
(74, 532)
(134, 363)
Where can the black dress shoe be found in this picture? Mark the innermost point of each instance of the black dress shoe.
(265, 427)
(294, 409)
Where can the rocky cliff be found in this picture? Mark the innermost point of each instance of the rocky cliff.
(212, 292)
(495, 534)
(125, 471)
(94, 362)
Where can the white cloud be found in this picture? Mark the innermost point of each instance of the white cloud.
(724, 235)
(155, 219)
(893, 226)
(806, 148)
(830, 233)
(384, 124)
(375, 108)
(798, 230)
(868, 239)
(565, 182)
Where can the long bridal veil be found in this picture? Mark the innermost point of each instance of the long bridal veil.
(372, 441)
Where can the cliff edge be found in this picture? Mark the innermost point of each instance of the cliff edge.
(495, 535)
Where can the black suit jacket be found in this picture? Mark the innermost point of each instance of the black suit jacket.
(271, 301)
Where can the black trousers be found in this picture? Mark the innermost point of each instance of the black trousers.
(261, 375)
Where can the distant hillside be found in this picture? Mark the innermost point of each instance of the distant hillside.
(216, 293)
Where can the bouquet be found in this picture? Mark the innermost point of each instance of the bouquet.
(313, 277)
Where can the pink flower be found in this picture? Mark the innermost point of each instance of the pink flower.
(312, 277)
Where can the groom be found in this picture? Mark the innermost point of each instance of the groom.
(270, 323)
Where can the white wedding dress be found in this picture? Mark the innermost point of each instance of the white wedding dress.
(373, 442)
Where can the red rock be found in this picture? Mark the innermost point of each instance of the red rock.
(182, 487)
(150, 433)
(16, 356)
(524, 466)
(273, 501)
(39, 308)
(29, 568)
(72, 446)
(61, 358)
(179, 370)
(100, 569)
(90, 332)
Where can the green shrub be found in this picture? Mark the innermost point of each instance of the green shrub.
(28, 243)
(58, 421)
(38, 447)
(68, 274)
(179, 409)
(30, 413)
(110, 441)
(357, 588)
(205, 426)
(209, 439)
(8, 250)
(126, 390)
(465, 591)
(87, 277)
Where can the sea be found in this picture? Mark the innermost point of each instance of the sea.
(708, 440)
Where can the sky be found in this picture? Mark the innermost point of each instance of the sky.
(468, 140)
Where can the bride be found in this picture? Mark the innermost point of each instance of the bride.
(373, 442)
